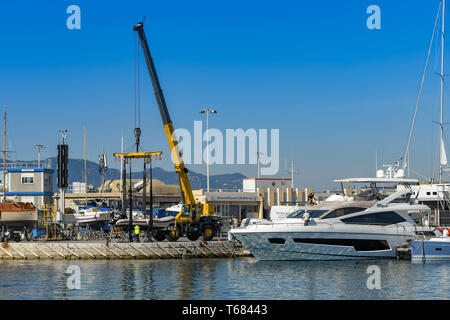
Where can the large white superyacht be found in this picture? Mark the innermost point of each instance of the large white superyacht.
(364, 229)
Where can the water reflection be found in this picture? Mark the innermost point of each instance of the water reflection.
(243, 278)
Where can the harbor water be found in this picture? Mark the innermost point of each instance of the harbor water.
(227, 279)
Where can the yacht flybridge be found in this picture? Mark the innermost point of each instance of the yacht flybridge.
(357, 229)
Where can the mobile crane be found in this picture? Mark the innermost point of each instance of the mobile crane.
(194, 219)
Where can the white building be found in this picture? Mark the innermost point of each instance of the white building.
(33, 185)
(253, 184)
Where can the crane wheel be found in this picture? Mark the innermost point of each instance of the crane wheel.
(193, 236)
(174, 233)
(159, 235)
(208, 232)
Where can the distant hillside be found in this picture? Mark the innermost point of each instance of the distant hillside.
(198, 180)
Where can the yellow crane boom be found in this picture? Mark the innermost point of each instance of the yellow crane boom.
(194, 219)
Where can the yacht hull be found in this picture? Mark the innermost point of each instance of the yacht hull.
(430, 250)
(318, 243)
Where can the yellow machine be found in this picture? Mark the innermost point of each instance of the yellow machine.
(195, 219)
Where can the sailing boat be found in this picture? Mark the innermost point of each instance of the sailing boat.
(16, 218)
(91, 214)
(435, 195)
(436, 248)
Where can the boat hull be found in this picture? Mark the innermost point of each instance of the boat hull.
(18, 218)
(430, 250)
(158, 223)
(21, 214)
(322, 243)
(93, 218)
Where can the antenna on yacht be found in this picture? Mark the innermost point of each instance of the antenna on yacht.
(376, 160)
(292, 171)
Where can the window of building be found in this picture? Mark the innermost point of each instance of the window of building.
(380, 218)
(428, 193)
(434, 193)
(342, 212)
(27, 180)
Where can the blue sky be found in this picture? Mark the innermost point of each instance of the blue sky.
(336, 90)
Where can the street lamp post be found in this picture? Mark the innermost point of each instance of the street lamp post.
(39, 147)
(257, 157)
(207, 111)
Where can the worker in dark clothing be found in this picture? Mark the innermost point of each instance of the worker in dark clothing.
(311, 199)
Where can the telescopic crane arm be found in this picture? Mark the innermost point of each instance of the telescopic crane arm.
(167, 122)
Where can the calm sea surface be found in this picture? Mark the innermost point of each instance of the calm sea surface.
(242, 278)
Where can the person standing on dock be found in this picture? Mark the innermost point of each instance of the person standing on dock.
(137, 230)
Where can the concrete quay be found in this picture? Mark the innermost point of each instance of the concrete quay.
(53, 250)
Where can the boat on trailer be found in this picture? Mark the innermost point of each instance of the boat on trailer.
(93, 215)
(14, 213)
(143, 221)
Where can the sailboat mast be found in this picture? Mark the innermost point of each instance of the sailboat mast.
(122, 198)
(4, 157)
(441, 122)
(85, 165)
(442, 96)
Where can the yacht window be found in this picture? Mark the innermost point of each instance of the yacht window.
(380, 218)
(342, 212)
(277, 240)
(434, 193)
(428, 193)
(358, 244)
(312, 213)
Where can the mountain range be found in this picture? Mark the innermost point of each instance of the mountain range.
(198, 180)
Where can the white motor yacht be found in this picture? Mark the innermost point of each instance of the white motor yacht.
(93, 215)
(346, 230)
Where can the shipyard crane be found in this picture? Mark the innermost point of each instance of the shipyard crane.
(194, 219)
